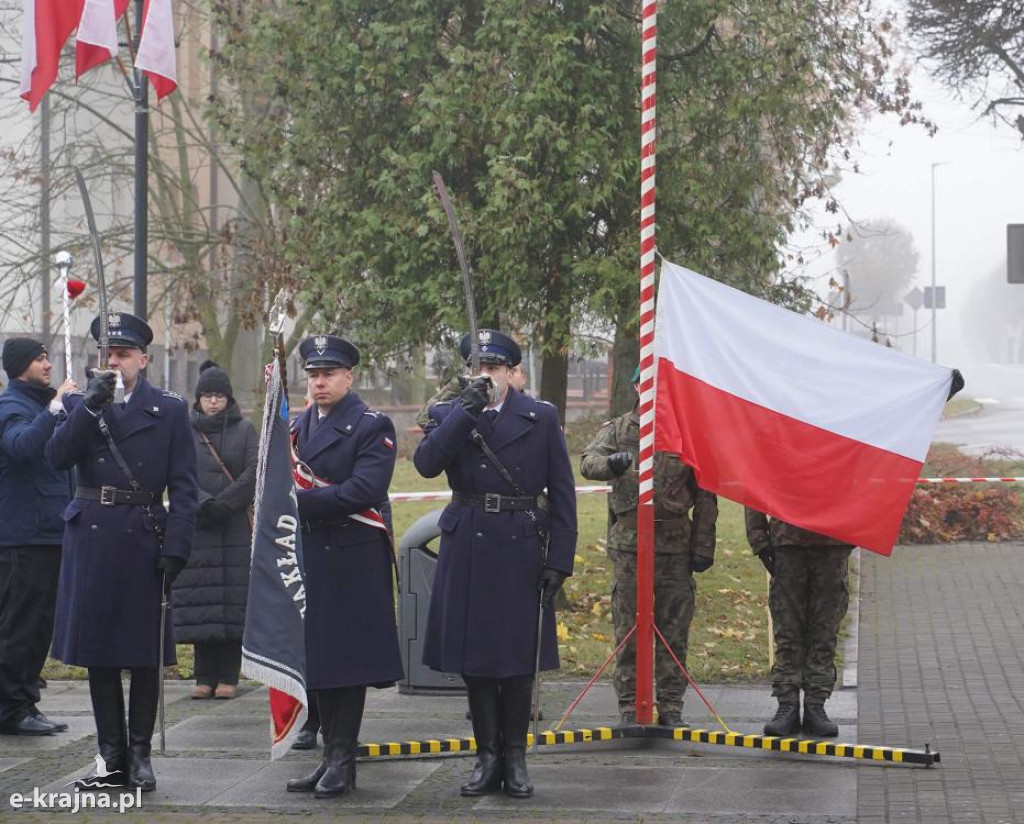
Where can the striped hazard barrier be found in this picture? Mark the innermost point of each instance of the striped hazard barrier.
(548, 738)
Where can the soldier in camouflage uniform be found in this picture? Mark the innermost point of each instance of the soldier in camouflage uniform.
(681, 548)
(808, 597)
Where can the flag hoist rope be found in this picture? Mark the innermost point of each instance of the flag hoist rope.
(648, 247)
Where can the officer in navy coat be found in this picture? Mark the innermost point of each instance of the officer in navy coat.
(345, 459)
(492, 567)
(120, 543)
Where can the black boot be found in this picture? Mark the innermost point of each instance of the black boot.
(485, 711)
(341, 716)
(516, 700)
(306, 739)
(787, 717)
(110, 769)
(816, 722)
(143, 702)
(308, 783)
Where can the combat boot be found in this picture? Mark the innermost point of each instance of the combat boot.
(341, 716)
(670, 715)
(143, 702)
(516, 700)
(787, 717)
(110, 769)
(816, 721)
(485, 711)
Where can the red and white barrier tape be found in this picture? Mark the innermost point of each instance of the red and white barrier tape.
(446, 494)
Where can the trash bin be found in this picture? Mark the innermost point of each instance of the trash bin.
(418, 563)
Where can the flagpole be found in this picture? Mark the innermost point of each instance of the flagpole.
(141, 93)
(648, 246)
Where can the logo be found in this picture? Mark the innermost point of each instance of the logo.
(320, 342)
(76, 800)
(114, 319)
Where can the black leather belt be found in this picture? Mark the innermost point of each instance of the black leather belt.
(492, 502)
(109, 495)
(313, 526)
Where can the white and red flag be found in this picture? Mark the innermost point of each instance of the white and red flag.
(96, 41)
(45, 29)
(789, 416)
(156, 48)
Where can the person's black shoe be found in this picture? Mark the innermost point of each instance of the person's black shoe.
(816, 721)
(786, 720)
(308, 783)
(30, 725)
(305, 740)
(58, 726)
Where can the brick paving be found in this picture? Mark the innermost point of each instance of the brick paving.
(942, 663)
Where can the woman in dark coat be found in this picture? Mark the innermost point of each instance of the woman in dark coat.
(211, 592)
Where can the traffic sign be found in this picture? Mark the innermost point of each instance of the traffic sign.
(914, 298)
(940, 297)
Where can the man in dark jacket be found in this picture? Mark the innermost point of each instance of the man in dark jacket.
(493, 565)
(32, 496)
(120, 544)
(345, 457)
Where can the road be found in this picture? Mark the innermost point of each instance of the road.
(998, 426)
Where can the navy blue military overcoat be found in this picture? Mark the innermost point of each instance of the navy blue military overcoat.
(108, 600)
(351, 638)
(483, 608)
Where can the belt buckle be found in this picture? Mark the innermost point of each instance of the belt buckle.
(492, 502)
(107, 495)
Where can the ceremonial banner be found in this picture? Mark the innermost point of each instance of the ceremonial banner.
(787, 415)
(273, 647)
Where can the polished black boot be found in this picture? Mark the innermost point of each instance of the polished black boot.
(143, 702)
(816, 721)
(341, 716)
(306, 739)
(485, 711)
(787, 717)
(110, 769)
(308, 783)
(516, 700)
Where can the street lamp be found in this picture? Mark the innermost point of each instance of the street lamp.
(934, 290)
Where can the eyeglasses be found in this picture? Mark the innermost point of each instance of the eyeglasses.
(213, 396)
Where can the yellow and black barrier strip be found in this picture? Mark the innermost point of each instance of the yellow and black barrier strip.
(800, 746)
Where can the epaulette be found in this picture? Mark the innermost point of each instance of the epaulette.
(75, 392)
(546, 403)
(167, 393)
(373, 413)
(441, 403)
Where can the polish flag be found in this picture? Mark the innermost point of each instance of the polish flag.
(96, 41)
(156, 49)
(789, 416)
(46, 27)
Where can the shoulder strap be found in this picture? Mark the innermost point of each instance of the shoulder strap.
(132, 480)
(216, 457)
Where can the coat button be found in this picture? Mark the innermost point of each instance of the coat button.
(483, 466)
(93, 526)
(100, 460)
(478, 535)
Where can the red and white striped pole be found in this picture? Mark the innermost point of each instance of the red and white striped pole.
(648, 245)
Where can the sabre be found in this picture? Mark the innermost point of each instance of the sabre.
(104, 336)
(467, 282)
(160, 660)
(63, 262)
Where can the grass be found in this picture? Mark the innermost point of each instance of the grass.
(728, 639)
(960, 406)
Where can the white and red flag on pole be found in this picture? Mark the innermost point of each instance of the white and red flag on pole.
(789, 416)
(96, 41)
(45, 29)
(156, 49)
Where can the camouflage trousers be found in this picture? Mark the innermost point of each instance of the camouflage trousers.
(674, 593)
(808, 597)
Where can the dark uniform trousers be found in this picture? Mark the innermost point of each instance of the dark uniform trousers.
(808, 597)
(28, 595)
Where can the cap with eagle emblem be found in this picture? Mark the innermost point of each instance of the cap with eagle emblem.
(328, 352)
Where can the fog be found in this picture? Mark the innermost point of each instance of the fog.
(979, 189)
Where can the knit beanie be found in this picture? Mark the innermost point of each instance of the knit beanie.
(213, 379)
(18, 353)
